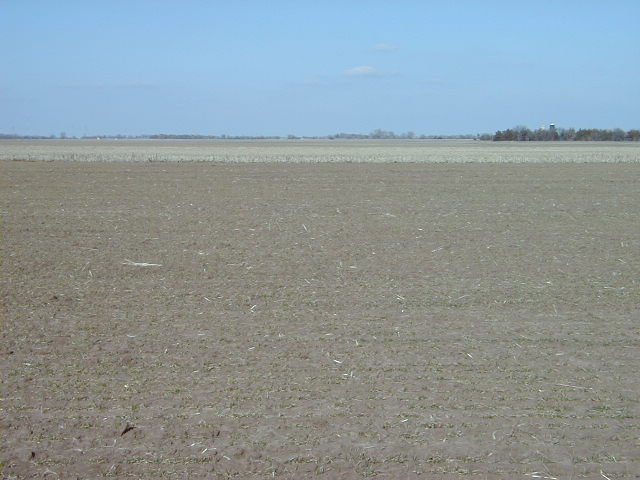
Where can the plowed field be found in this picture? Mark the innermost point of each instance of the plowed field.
(204, 320)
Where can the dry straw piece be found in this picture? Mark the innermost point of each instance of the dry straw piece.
(140, 264)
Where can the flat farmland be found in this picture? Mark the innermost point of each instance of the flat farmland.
(320, 151)
(338, 319)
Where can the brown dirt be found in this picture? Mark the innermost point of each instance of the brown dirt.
(339, 321)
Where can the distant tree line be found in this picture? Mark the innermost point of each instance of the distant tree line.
(158, 136)
(524, 134)
(162, 136)
(388, 134)
(9, 136)
(515, 134)
(376, 134)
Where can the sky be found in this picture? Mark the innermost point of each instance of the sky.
(316, 67)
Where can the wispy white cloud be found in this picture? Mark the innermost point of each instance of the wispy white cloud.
(347, 77)
(384, 47)
(134, 85)
(363, 71)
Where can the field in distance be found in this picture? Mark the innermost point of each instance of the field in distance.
(320, 151)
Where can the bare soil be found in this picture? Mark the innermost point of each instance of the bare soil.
(329, 320)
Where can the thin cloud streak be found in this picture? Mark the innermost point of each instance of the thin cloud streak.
(384, 47)
(363, 71)
(112, 86)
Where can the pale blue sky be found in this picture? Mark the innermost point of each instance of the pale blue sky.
(316, 67)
